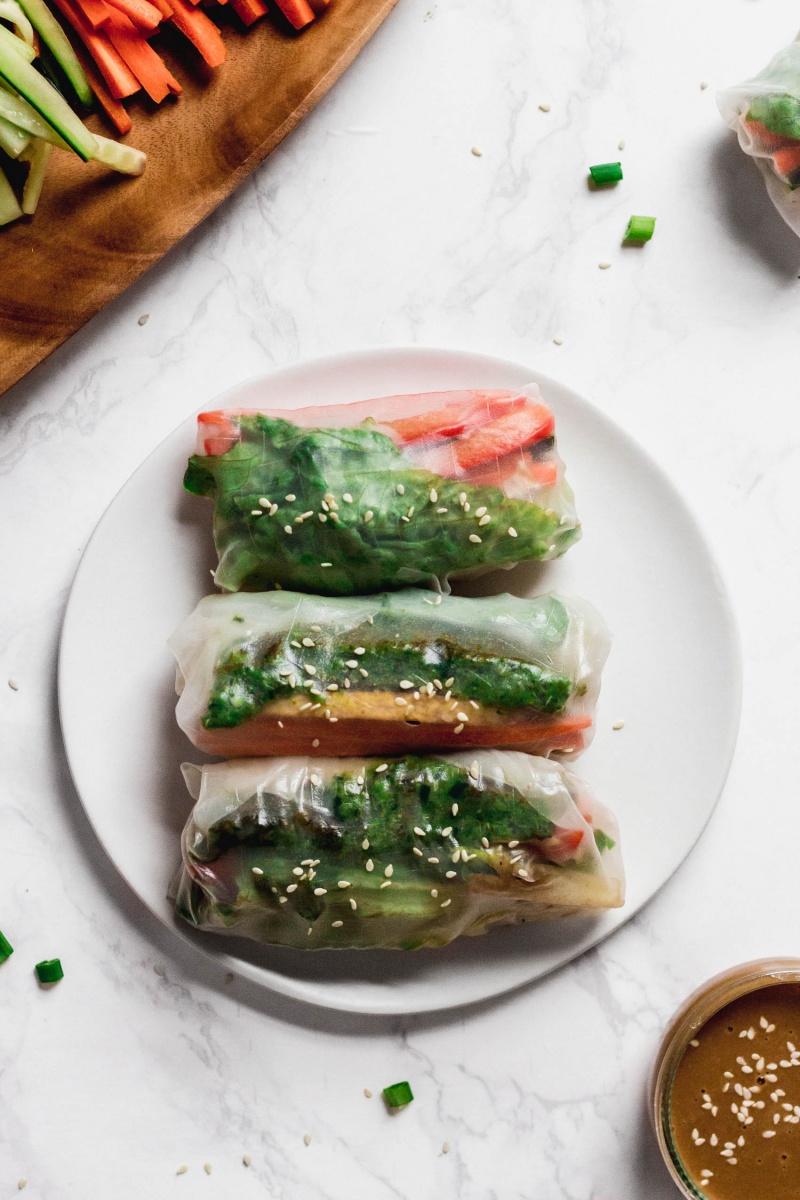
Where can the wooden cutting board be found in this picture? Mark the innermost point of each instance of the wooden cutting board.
(96, 231)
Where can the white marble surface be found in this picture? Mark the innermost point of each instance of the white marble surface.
(374, 223)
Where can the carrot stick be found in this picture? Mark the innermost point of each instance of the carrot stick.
(94, 11)
(787, 158)
(142, 59)
(145, 16)
(112, 108)
(121, 82)
(297, 12)
(249, 10)
(200, 30)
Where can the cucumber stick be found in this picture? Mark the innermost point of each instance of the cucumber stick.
(12, 139)
(124, 159)
(11, 11)
(9, 208)
(18, 112)
(34, 88)
(39, 156)
(57, 42)
(16, 44)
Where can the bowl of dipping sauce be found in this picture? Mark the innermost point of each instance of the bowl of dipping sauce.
(725, 1087)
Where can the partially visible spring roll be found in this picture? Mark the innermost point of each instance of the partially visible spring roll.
(358, 498)
(269, 673)
(399, 854)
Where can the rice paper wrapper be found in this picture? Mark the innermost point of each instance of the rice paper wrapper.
(400, 853)
(402, 490)
(764, 112)
(276, 673)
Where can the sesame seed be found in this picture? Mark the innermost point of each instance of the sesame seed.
(434, 892)
(473, 537)
(434, 495)
(310, 930)
(446, 1148)
(442, 510)
(454, 810)
(768, 1133)
(558, 341)
(315, 743)
(515, 842)
(463, 717)
(207, 1167)
(307, 641)
(411, 511)
(445, 903)
(14, 685)
(474, 704)
(618, 725)
(382, 767)
(287, 529)
(484, 520)
(337, 924)
(473, 770)
(512, 531)
(406, 684)
(462, 497)
(456, 855)
(369, 514)
(326, 506)
(386, 883)
(257, 871)
(368, 1093)
(353, 904)
(182, 1170)
(304, 516)
(450, 874)
(401, 491)
(315, 780)
(364, 673)
(479, 512)
(297, 871)
(369, 865)
(292, 887)
(405, 519)
(365, 843)
(246, 1159)
(458, 728)
(389, 870)
(604, 265)
(256, 512)
(309, 669)
(344, 883)
(320, 891)
(282, 899)
(545, 107)
(291, 497)
(447, 831)
(322, 518)
(435, 861)
(307, 1136)
(419, 832)
(485, 843)
(416, 850)
(326, 564)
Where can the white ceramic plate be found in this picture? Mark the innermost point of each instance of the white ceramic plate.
(673, 675)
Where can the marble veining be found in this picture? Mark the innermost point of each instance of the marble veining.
(375, 223)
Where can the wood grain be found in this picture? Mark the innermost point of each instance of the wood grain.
(95, 231)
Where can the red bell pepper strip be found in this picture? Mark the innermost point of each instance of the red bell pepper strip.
(513, 432)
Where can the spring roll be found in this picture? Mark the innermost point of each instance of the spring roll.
(359, 498)
(271, 673)
(399, 853)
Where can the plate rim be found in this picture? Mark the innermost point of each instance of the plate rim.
(304, 991)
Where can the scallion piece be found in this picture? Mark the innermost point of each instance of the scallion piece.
(398, 1095)
(49, 971)
(605, 173)
(6, 949)
(640, 229)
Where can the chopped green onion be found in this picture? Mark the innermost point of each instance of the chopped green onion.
(398, 1095)
(640, 229)
(6, 949)
(49, 971)
(605, 173)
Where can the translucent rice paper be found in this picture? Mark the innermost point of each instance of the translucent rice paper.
(268, 673)
(400, 854)
(765, 114)
(359, 498)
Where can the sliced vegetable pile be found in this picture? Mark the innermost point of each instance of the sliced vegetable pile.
(34, 116)
(39, 68)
